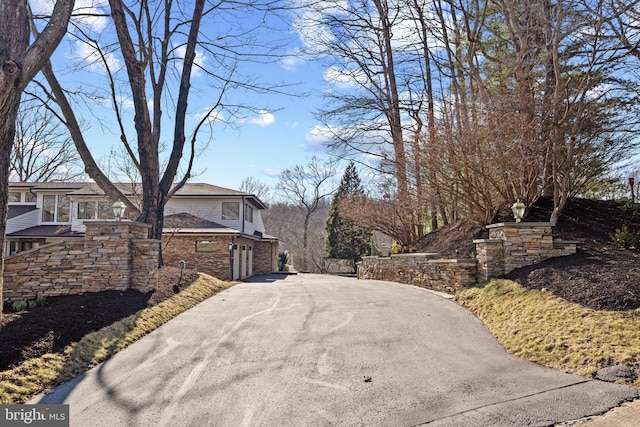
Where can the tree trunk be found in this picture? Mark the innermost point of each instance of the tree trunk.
(20, 62)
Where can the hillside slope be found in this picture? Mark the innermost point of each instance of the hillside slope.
(601, 275)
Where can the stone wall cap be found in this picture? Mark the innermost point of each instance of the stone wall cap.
(487, 241)
(114, 222)
(520, 224)
(454, 261)
(419, 254)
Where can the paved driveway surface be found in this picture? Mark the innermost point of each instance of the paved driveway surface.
(314, 350)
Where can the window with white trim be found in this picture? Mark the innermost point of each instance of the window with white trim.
(230, 210)
(249, 213)
(55, 208)
(15, 197)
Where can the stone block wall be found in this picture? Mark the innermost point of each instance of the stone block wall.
(265, 257)
(144, 266)
(509, 246)
(425, 270)
(213, 261)
(111, 256)
(50, 270)
(514, 245)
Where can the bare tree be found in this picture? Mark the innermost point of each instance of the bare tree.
(306, 187)
(286, 221)
(254, 186)
(43, 150)
(20, 60)
(364, 107)
(158, 43)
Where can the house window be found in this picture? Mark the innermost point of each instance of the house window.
(48, 208)
(86, 210)
(206, 246)
(62, 209)
(14, 196)
(230, 210)
(105, 211)
(29, 197)
(55, 208)
(249, 213)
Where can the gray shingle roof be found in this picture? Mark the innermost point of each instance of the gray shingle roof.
(17, 210)
(92, 189)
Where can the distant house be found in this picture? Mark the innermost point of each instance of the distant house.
(213, 229)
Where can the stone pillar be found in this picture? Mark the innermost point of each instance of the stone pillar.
(144, 264)
(109, 256)
(513, 245)
(490, 255)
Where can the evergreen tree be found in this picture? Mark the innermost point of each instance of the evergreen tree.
(345, 238)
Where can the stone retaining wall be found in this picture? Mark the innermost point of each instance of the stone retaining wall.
(446, 275)
(509, 246)
(111, 256)
(514, 245)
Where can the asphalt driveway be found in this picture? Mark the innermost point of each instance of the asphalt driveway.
(311, 350)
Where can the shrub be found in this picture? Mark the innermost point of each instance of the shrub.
(283, 258)
(624, 237)
(20, 305)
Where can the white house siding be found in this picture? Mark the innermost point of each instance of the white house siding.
(24, 221)
(211, 210)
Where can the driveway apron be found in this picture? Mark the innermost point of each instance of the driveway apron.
(312, 350)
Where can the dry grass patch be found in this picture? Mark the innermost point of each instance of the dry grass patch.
(34, 376)
(546, 329)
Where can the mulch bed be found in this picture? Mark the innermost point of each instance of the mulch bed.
(66, 319)
(601, 275)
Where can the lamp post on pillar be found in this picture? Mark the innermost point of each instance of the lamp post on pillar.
(118, 210)
(230, 260)
(633, 193)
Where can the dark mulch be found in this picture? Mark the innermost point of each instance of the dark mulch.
(66, 319)
(453, 241)
(601, 275)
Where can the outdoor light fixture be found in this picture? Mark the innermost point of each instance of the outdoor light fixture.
(230, 260)
(118, 209)
(518, 210)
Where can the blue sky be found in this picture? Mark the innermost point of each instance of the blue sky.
(279, 133)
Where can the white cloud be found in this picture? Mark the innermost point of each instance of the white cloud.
(345, 78)
(319, 135)
(215, 116)
(91, 14)
(264, 118)
(90, 56)
(198, 61)
(291, 63)
(309, 21)
(272, 172)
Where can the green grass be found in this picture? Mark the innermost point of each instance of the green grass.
(548, 330)
(35, 375)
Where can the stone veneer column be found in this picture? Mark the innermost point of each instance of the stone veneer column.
(490, 255)
(109, 254)
(523, 243)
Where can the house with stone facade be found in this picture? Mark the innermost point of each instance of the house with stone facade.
(213, 229)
